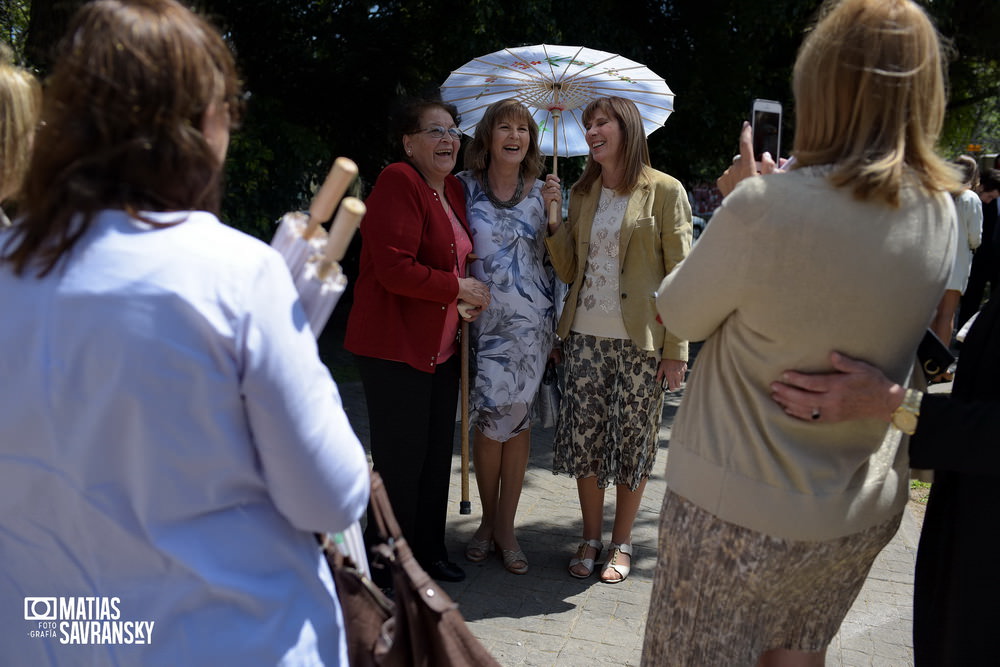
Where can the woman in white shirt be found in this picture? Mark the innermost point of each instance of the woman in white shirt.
(969, 230)
(170, 442)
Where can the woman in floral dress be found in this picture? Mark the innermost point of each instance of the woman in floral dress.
(512, 338)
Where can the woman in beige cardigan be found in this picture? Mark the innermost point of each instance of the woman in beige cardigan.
(770, 523)
(628, 226)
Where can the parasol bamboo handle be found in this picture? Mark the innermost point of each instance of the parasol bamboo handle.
(341, 175)
(342, 231)
(554, 206)
(465, 507)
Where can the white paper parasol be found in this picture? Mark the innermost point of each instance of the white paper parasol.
(321, 282)
(556, 83)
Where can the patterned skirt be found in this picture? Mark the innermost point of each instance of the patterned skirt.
(609, 418)
(724, 594)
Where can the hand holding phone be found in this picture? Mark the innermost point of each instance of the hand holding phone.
(765, 118)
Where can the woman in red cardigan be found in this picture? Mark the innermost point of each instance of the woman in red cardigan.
(404, 323)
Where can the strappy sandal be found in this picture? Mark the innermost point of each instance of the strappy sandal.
(613, 564)
(511, 559)
(476, 551)
(581, 559)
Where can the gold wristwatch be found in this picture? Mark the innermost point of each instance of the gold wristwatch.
(905, 416)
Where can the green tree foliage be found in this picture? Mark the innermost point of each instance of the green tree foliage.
(322, 76)
(14, 26)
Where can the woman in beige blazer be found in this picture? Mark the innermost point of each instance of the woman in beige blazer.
(628, 226)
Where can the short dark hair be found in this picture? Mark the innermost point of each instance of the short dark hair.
(990, 180)
(406, 119)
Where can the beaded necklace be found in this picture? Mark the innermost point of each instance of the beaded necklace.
(499, 203)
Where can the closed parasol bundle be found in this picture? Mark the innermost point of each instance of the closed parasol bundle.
(299, 235)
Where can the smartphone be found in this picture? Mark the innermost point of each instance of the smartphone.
(766, 121)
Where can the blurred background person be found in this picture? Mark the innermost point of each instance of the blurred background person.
(512, 338)
(168, 434)
(404, 324)
(20, 105)
(628, 226)
(970, 234)
(770, 525)
(985, 264)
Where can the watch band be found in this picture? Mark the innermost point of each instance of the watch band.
(905, 417)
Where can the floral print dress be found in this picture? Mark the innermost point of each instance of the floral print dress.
(512, 338)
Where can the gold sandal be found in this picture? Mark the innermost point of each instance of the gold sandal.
(476, 551)
(511, 559)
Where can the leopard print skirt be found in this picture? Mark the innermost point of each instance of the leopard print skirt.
(609, 417)
(724, 594)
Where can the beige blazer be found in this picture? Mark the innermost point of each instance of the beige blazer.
(655, 237)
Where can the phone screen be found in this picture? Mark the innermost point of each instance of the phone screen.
(766, 133)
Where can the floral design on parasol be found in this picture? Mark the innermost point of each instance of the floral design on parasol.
(556, 83)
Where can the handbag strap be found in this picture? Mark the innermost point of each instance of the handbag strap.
(381, 508)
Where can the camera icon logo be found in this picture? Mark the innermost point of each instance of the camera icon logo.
(40, 609)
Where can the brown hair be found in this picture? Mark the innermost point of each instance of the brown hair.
(20, 105)
(636, 150)
(870, 95)
(970, 171)
(477, 151)
(123, 113)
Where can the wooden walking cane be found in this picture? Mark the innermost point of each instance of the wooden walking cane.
(465, 507)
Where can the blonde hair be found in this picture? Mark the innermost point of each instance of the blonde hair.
(477, 152)
(635, 153)
(870, 95)
(20, 106)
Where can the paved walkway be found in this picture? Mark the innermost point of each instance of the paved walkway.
(548, 618)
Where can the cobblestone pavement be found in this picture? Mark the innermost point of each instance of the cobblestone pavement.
(546, 617)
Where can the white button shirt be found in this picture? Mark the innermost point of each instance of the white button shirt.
(168, 438)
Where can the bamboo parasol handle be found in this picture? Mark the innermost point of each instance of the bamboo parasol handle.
(341, 175)
(554, 206)
(342, 231)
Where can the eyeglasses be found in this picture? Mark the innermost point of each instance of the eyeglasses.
(438, 132)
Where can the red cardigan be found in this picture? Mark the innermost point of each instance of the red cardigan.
(406, 280)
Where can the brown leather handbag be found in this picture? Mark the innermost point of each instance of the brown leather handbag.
(421, 628)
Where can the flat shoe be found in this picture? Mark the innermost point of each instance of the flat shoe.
(476, 551)
(614, 565)
(581, 559)
(512, 558)
(445, 570)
